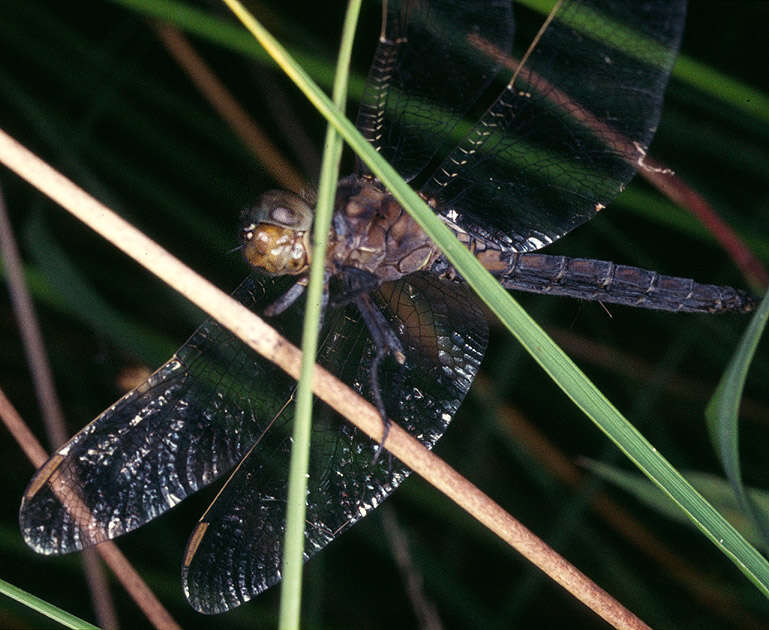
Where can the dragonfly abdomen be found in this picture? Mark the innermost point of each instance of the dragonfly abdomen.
(609, 282)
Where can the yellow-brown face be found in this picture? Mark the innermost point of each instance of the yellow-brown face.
(275, 234)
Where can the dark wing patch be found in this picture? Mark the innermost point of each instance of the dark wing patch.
(565, 139)
(426, 75)
(235, 553)
(188, 424)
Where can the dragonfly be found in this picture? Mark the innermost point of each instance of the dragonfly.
(558, 135)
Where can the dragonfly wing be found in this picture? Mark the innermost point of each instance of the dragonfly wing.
(426, 75)
(189, 423)
(235, 551)
(562, 141)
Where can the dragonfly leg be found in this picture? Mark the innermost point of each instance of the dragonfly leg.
(387, 343)
(356, 282)
(292, 295)
(288, 298)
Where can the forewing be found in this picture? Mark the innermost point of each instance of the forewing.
(189, 423)
(566, 137)
(426, 75)
(235, 552)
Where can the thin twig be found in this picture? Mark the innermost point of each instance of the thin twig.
(265, 340)
(228, 108)
(157, 615)
(98, 584)
(424, 608)
(45, 390)
(31, 337)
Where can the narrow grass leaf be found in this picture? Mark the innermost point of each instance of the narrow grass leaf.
(722, 415)
(290, 602)
(716, 490)
(43, 607)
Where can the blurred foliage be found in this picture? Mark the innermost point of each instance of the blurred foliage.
(94, 92)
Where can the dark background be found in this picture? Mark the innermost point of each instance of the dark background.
(90, 88)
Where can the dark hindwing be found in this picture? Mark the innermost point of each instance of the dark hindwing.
(235, 553)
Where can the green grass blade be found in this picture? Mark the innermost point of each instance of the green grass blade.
(701, 76)
(43, 607)
(722, 415)
(291, 590)
(223, 32)
(722, 87)
(716, 490)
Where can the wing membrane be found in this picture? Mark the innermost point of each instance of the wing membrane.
(189, 423)
(426, 75)
(235, 552)
(216, 403)
(562, 141)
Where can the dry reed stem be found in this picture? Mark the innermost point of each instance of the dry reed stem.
(48, 399)
(157, 615)
(229, 109)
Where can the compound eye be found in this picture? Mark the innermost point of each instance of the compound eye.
(277, 207)
(283, 215)
(285, 209)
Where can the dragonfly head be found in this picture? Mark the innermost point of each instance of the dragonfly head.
(275, 233)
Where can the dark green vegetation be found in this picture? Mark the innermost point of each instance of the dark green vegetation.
(96, 94)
